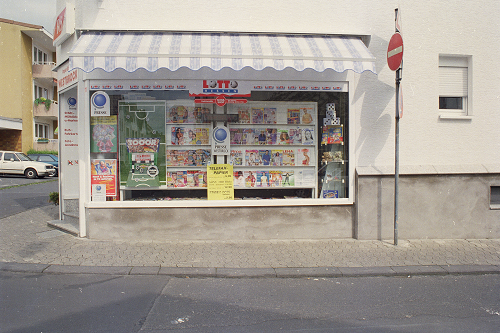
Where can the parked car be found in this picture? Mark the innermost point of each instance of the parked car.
(46, 158)
(18, 163)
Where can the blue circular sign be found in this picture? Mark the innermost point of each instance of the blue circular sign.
(99, 100)
(220, 135)
(72, 101)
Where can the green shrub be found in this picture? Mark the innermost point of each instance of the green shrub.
(54, 198)
(33, 151)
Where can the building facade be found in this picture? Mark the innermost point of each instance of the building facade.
(28, 58)
(159, 104)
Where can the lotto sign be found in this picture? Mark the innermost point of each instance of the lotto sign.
(395, 51)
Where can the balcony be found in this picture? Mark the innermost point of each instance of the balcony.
(46, 144)
(41, 110)
(44, 72)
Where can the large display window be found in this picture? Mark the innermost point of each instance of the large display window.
(157, 145)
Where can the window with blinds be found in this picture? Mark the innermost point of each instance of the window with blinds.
(453, 84)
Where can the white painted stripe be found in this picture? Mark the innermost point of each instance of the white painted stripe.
(397, 50)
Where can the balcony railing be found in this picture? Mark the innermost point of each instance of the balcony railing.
(44, 71)
(40, 110)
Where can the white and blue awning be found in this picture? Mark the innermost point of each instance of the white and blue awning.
(155, 50)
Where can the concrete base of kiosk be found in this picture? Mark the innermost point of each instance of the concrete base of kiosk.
(232, 224)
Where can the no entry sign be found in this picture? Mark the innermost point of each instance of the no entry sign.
(395, 51)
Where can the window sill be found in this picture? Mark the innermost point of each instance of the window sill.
(455, 117)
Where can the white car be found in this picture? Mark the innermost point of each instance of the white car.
(19, 164)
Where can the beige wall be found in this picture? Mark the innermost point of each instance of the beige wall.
(16, 85)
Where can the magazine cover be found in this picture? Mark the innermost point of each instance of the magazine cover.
(202, 136)
(307, 136)
(195, 176)
(287, 178)
(329, 194)
(276, 157)
(306, 116)
(270, 115)
(177, 114)
(235, 135)
(288, 157)
(275, 178)
(247, 137)
(180, 179)
(238, 179)
(304, 157)
(243, 115)
(250, 178)
(257, 115)
(202, 177)
(191, 136)
(262, 137)
(324, 136)
(265, 157)
(293, 116)
(335, 134)
(201, 115)
(295, 135)
(103, 134)
(262, 178)
(190, 178)
(284, 138)
(169, 180)
(177, 135)
(252, 158)
(236, 157)
(271, 136)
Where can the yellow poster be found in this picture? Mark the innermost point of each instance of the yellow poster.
(220, 182)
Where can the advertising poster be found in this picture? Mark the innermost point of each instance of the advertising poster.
(103, 134)
(220, 182)
(143, 161)
(103, 172)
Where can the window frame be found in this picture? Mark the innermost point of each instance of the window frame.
(454, 81)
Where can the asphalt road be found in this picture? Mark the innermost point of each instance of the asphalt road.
(107, 303)
(18, 193)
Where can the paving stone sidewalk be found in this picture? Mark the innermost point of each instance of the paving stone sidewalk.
(25, 238)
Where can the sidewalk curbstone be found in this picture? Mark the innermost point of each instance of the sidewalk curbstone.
(367, 271)
(246, 272)
(472, 269)
(145, 270)
(419, 270)
(70, 269)
(308, 272)
(22, 267)
(188, 271)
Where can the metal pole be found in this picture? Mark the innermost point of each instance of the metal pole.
(396, 167)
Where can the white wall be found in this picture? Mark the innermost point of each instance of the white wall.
(429, 28)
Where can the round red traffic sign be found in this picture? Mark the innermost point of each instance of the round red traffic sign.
(395, 51)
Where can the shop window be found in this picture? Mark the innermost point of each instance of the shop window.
(283, 144)
(453, 85)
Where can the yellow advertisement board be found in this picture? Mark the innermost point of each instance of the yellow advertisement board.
(220, 182)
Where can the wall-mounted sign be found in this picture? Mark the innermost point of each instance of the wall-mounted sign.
(220, 182)
(220, 140)
(65, 24)
(99, 104)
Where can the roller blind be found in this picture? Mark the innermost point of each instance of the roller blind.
(453, 81)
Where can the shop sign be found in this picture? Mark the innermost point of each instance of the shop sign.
(66, 77)
(65, 25)
(220, 185)
(220, 140)
(100, 104)
(220, 100)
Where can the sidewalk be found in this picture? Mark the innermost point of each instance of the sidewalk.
(28, 244)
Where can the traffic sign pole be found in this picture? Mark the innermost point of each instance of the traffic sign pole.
(395, 63)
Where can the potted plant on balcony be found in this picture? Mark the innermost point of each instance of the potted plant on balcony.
(42, 140)
(43, 100)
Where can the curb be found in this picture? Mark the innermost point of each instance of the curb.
(280, 272)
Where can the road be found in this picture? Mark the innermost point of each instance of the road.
(106, 303)
(18, 193)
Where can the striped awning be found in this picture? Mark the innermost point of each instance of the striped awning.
(155, 50)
